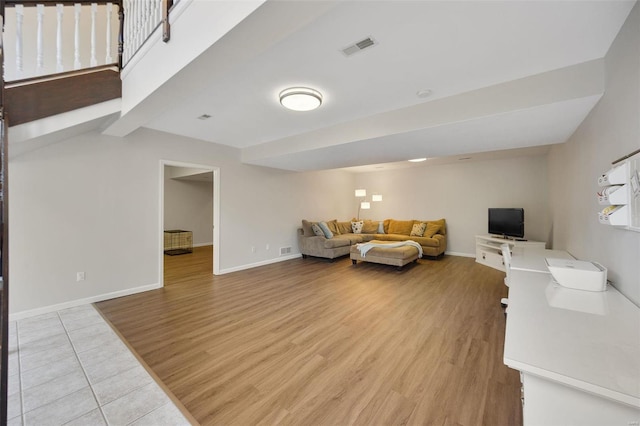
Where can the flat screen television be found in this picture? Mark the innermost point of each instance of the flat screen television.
(507, 222)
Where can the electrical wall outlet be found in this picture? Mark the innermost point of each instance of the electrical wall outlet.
(267, 247)
(253, 249)
(80, 276)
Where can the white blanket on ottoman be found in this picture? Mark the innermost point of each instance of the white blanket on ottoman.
(365, 247)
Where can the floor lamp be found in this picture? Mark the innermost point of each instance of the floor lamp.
(364, 204)
(362, 193)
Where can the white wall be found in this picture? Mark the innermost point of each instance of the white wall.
(611, 131)
(461, 193)
(188, 204)
(91, 203)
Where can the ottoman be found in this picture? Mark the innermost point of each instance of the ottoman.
(395, 256)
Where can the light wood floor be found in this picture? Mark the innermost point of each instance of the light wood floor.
(309, 342)
(185, 268)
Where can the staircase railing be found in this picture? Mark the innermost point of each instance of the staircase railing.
(42, 33)
(143, 18)
(44, 37)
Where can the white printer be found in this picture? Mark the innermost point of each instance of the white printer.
(578, 274)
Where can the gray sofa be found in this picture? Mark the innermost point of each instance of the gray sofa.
(433, 242)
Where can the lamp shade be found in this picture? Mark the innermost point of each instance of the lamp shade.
(365, 205)
(300, 98)
(361, 192)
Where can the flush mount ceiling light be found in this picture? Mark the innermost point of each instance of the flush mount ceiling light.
(417, 160)
(300, 98)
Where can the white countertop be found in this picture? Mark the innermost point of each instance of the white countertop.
(533, 260)
(587, 340)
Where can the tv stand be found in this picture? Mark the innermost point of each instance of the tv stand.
(488, 250)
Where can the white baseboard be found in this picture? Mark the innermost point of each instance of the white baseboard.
(78, 302)
(130, 291)
(455, 253)
(262, 263)
(203, 244)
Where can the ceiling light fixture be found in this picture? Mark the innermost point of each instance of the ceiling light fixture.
(424, 93)
(300, 98)
(418, 160)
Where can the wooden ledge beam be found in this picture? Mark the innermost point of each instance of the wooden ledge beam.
(30, 102)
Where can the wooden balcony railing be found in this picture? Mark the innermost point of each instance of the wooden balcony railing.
(54, 64)
(143, 18)
(53, 36)
(44, 37)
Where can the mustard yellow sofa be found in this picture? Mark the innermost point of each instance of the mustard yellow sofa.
(338, 237)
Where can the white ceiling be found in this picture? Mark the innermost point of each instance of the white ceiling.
(498, 72)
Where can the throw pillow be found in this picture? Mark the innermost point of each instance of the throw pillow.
(441, 223)
(401, 227)
(380, 227)
(418, 229)
(345, 227)
(306, 227)
(317, 230)
(333, 226)
(325, 229)
(357, 227)
(369, 227)
(432, 229)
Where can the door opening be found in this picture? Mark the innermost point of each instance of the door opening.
(189, 217)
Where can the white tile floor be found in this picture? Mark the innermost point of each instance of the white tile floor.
(70, 368)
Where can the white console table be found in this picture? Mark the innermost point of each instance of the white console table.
(488, 250)
(578, 352)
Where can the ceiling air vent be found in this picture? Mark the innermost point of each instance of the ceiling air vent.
(359, 46)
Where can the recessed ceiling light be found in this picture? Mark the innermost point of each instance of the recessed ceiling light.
(424, 93)
(418, 160)
(204, 117)
(300, 98)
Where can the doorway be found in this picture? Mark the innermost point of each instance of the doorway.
(189, 201)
